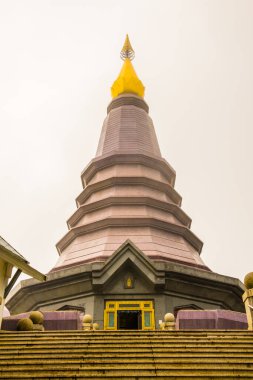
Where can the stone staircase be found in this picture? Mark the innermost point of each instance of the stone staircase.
(198, 354)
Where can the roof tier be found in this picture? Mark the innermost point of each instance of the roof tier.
(129, 194)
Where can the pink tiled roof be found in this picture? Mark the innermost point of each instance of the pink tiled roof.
(129, 194)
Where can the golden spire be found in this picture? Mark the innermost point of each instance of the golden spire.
(127, 81)
(127, 50)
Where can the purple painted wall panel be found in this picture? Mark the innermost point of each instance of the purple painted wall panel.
(62, 320)
(53, 320)
(211, 319)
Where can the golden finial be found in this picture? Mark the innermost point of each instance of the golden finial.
(127, 50)
(127, 81)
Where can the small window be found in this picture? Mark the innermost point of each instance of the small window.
(111, 319)
(147, 318)
(129, 305)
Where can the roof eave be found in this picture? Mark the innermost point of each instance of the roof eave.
(20, 263)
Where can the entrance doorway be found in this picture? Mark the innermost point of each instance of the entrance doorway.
(129, 315)
(129, 320)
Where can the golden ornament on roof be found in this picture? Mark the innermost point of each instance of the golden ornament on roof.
(127, 50)
(127, 81)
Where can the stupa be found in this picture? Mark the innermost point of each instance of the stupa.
(129, 255)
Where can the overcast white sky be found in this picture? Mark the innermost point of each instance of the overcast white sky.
(58, 61)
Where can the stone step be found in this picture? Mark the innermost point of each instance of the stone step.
(176, 373)
(118, 347)
(124, 367)
(126, 355)
(110, 340)
(125, 345)
(101, 349)
(124, 339)
(132, 333)
(135, 332)
(18, 361)
(186, 353)
(147, 376)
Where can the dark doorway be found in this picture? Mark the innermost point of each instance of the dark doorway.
(129, 320)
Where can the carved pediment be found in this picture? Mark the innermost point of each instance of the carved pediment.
(128, 259)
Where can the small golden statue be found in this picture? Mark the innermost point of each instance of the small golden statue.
(129, 282)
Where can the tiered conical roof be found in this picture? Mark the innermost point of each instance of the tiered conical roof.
(128, 192)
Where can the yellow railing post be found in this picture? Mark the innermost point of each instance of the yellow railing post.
(248, 299)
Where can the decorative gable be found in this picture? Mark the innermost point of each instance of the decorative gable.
(132, 262)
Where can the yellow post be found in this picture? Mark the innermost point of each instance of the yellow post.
(5, 274)
(248, 299)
